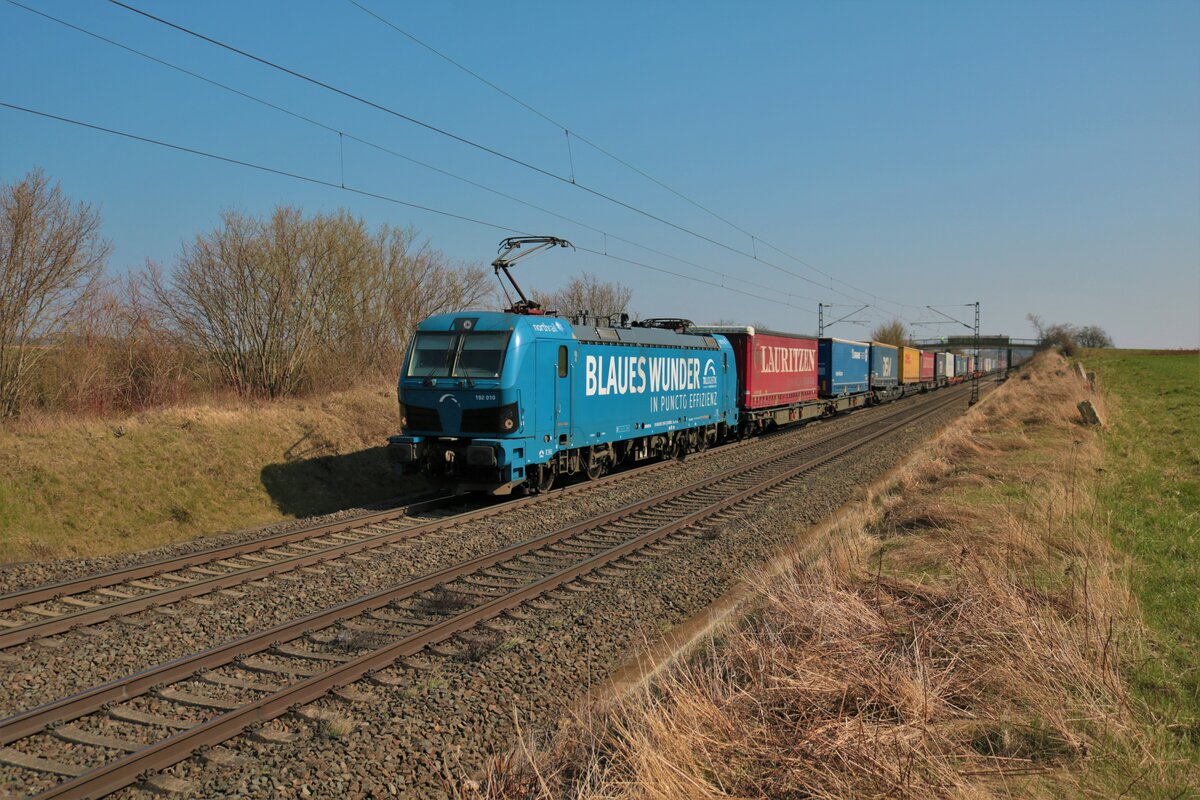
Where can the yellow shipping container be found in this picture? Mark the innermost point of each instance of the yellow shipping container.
(910, 365)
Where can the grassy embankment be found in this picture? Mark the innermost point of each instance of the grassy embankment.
(1151, 502)
(96, 486)
(968, 630)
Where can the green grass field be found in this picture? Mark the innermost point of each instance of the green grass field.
(1152, 497)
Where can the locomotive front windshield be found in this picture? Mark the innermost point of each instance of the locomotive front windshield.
(478, 354)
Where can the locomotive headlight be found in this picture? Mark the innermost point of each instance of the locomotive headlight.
(509, 418)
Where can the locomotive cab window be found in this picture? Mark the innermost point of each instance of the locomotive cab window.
(432, 355)
(481, 355)
(562, 361)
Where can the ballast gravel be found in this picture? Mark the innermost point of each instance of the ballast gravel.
(414, 731)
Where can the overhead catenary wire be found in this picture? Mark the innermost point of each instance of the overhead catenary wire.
(571, 132)
(471, 143)
(343, 135)
(375, 195)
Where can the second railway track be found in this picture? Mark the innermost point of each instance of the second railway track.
(103, 738)
(52, 609)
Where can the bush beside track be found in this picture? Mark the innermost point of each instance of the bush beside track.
(966, 631)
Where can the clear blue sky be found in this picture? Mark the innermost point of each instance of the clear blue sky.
(1041, 157)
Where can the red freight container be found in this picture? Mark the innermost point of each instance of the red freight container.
(774, 369)
(926, 366)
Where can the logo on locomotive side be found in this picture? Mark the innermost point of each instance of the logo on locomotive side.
(786, 359)
(605, 375)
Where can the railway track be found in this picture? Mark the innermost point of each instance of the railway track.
(70, 605)
(106, 737)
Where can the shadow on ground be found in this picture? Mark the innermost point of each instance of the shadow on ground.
(305, 486)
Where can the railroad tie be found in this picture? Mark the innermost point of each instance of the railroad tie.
(18, 759)
(385, 616)
(146, 718)
(178, 579)
(153, 587)
(292, 670)
(69, 733)
(289, 649)
(41, 612)
(75, 601)
(366, 627)
(218, 679)
(199, 700)
(116, 594)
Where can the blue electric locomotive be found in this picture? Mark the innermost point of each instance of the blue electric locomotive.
(493, 401)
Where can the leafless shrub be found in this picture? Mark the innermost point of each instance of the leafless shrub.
(587, 295)
(118, 354)
(892, 332)
(443, 601)
(51, 255)
(1067, 338)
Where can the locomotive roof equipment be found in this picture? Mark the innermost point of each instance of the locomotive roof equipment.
(506, 259)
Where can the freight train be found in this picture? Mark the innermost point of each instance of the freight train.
(518, 400)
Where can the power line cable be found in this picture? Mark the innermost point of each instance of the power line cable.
(384, 149)
(365, 193)
(571, 132)
(469, 142)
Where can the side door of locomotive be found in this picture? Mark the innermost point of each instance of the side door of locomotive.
(554, 398)
(563, 402)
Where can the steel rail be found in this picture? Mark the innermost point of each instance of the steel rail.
(29, 722)
(127, 769)
(53, 591)
(66, 621)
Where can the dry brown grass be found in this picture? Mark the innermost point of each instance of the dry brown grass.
(960, 634)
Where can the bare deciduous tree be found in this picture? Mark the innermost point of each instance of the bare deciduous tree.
(51, 256)
(286, 302)
(1068, 338)
(252, 295)
(399, 285)
(892, 332)
(587, 295)
(1093, 336)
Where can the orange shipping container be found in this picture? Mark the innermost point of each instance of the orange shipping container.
(910, 365)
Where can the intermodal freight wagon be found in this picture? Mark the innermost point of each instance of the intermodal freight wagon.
(843, 367)
(776, 374)
(910, 365)
(885, 372)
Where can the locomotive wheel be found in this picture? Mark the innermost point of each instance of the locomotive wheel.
(545, 478)
(595, 467)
